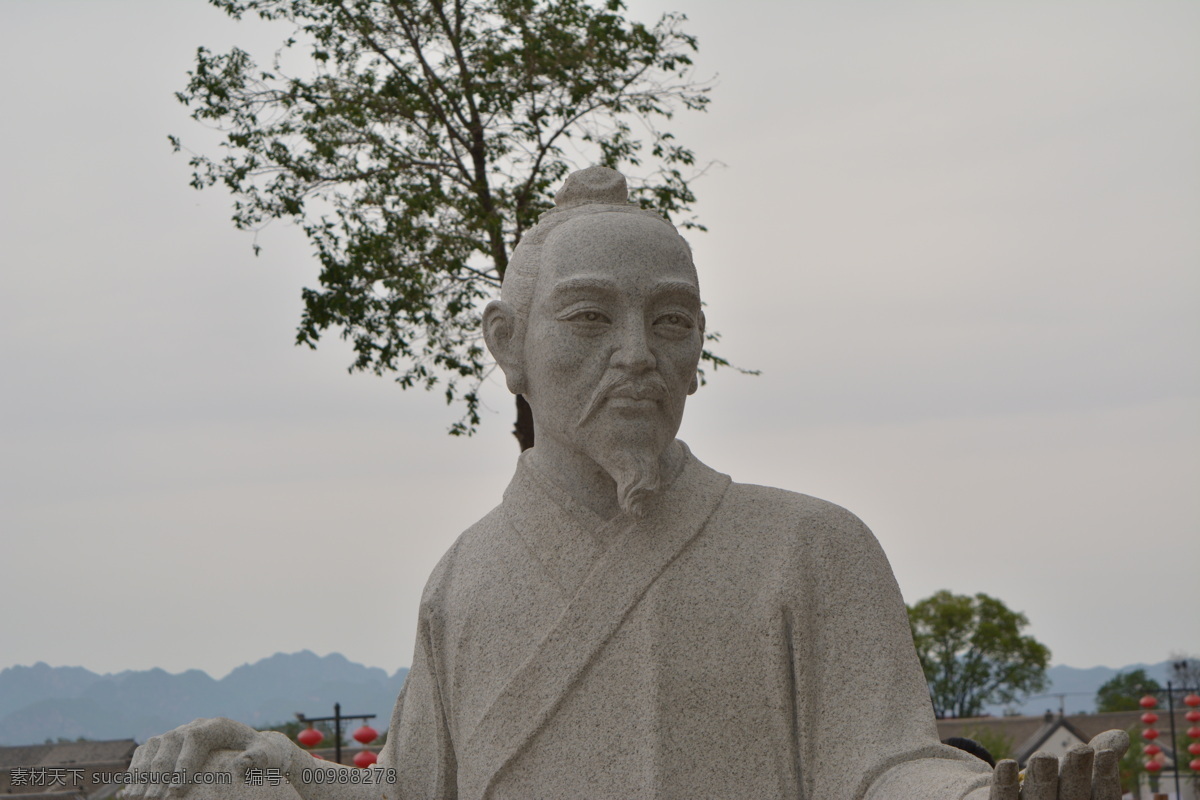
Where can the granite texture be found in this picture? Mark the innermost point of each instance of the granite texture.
(630, 623)
(735, 641)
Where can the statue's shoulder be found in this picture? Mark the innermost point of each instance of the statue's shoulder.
(799, 529)
(793, 515)
(783, 500)
(770, 509)
(471, 544)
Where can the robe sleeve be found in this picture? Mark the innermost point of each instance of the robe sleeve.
(419, 746)
(865, 723)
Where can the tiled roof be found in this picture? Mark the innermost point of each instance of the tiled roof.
(65, 753)
(1028, 733)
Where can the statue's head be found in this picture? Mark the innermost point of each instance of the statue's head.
(599, 326)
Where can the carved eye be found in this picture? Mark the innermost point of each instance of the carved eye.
(588, 318)
(674, 325)
(674, 320)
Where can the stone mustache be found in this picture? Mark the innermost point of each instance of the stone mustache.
(630, 623)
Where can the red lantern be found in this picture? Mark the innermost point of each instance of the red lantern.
(1194, 732)
(365, 759)
(1195, 764)
(1192, 700)
(310, 737)
(366, 734)
(1149, 718)
(1194, 748)
(1150, 733)
(1192, 716)
(1153, 766)
(1147, 702)
(1151, 750)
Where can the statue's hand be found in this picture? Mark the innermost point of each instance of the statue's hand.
(1086, 772)
(187, 749)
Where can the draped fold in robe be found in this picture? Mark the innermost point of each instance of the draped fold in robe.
(736, 641)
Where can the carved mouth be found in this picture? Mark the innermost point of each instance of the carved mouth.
(635, 397)
(628, 394)
(639, 392)
(622, 401)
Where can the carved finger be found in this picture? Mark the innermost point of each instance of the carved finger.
(164, 764)
(1106, 776)
(162, 791)
(1041, 777)
(143, 757)
(264, 752)
(1006, 784)
(140, 761)
(188, 743)
(194, 753)
(222, 734)
(167, 754)
(144, 754)
(1117, 741)
(1075, 773)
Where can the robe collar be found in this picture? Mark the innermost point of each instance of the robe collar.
(610, 582)
(563, 535)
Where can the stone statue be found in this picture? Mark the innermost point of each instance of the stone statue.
(629, 623)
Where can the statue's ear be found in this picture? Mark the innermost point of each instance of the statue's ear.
(501, 332)
(695, 384)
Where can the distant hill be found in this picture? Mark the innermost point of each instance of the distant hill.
(43, 702)
(1078, 689)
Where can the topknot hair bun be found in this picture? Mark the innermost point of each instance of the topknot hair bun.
(594, 185)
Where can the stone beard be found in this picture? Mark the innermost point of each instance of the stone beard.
(632, 462)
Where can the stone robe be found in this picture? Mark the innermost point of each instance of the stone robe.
(736, 642)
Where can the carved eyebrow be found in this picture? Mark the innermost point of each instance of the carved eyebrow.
(685, 288)
(607, 286)
(584, 284)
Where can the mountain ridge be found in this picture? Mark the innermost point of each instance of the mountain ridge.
(41, 702)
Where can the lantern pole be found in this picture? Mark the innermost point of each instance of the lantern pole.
(1174, 742)
(1170, 692)
(336, 719)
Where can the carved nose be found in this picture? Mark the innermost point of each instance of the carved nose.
(633, 353)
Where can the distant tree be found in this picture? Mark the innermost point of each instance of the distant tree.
(996, 742)
(426, 141)
(293, 728)
(288, 729)
(1122, 691)
(1133, 765)
(1184, 671)
(973, 653)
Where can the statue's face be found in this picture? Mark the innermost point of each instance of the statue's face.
(613, 336)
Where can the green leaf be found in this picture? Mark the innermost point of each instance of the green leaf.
(421, 139)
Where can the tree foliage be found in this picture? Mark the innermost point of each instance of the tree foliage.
(423, 140)
(1132, 766)
(973, 653)
(1122, 691)
(1184, 672)
(292, 729)
(998, 743)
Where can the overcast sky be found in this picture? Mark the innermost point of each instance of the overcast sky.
(962, 241)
